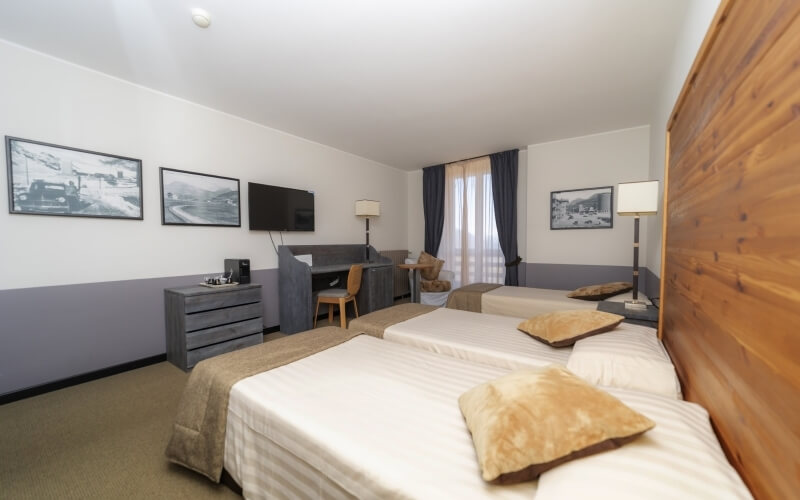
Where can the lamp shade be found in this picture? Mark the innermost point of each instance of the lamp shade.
(368, 208)
(637, 198)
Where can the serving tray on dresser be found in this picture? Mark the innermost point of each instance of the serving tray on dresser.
(203, 322)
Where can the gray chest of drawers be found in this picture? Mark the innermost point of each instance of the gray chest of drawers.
(203, 322)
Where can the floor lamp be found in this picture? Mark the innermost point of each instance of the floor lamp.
(367, 209)
(637, 199)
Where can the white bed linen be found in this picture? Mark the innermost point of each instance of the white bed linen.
(628, 358)
(372, 419)
(367, 418)
(679, 459)
(524, 302)
(482, 338)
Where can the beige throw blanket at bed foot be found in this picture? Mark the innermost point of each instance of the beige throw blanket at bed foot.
(198, 434)
(468, 298)
(375, 323)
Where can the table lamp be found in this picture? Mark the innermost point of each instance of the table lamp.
(367, 209)
(637, 199)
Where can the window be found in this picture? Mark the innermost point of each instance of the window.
(470, 247)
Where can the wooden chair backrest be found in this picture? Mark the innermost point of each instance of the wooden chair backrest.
(354, 279)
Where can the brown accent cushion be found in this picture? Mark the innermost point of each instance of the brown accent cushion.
(601, 292)
(435, 285)
(564, 328)
(530, 421)
(430, 273)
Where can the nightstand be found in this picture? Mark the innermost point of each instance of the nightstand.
(647, 317)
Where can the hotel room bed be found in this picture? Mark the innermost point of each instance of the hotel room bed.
(482, 338)
(520, 301)
(725, 315)
(496, 341)
(367, 418)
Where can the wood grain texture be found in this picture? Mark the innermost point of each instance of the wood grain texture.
(215, 317)
(202, 322)
(234, 297)
(731, 255)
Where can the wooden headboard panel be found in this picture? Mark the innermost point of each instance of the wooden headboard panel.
(730, 272)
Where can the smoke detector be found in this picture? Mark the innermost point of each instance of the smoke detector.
(201, 18)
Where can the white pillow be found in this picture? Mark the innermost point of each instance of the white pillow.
(680, 458)
(628, 357)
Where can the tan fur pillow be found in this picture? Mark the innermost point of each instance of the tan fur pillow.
(601, 292)
(435, 285)
(564, 328)
(430, 273)
(530, 421)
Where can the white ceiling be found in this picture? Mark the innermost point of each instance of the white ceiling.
(408, 83)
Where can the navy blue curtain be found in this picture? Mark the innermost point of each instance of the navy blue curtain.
(433, 205)
(504, 193)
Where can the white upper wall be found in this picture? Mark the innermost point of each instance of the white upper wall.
(698, 19)
(45, 99)
(584, 162)
(408, 83)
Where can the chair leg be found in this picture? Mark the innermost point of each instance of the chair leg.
(330, 313)
(355, 306)
(342, 312)
(316, 313)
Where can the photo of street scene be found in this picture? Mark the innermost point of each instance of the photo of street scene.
(589, 208)
(55, 180)
(189, 198)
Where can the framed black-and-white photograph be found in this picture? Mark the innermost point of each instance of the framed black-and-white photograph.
(46, 179)
(192, 199)
(588, 208)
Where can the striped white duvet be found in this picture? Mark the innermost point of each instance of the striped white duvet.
(524, 302)
(482, 338)
(373, 419)
(679, 459)
(367, 418)
(628, 357)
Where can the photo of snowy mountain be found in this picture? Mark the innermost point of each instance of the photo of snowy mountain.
(58, 180)
(189, 198)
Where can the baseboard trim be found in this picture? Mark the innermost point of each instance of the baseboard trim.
(37, 390)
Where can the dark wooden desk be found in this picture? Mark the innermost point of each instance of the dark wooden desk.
(336, 268)
(299, 283)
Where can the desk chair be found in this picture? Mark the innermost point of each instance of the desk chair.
(341, 296)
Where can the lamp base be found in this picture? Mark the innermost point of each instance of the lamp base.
(635, 305)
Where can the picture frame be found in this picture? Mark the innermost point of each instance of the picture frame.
(196, 199)
(49, 179)
(585, 208)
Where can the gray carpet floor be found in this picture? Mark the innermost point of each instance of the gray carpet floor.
(104, 439)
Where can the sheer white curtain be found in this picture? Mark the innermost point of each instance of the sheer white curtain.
(470, 247)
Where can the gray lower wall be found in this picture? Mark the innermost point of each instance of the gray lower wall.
(652, 284)
(56, 332)
(571, 276)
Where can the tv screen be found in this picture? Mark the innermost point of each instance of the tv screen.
(274, 208)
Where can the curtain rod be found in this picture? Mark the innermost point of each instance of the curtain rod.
(479, 156)
(467, 159)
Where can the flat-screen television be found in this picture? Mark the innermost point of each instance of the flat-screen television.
(274, 208)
